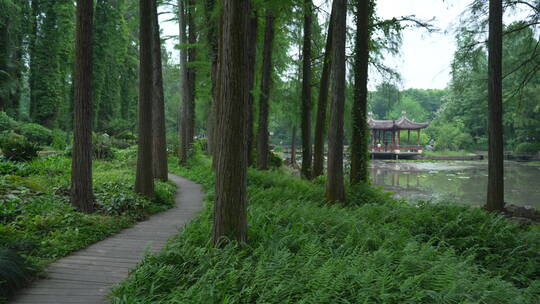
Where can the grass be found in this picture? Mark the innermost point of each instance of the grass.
(38, 222)
(373, 249)
(448, 153)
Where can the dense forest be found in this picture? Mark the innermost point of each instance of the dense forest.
(97, 112)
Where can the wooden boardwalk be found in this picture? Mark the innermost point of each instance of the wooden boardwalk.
(86, 276)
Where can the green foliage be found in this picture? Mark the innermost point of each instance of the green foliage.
(59, 139)
(14, 273)
(376, 250)
(38, 221)
(449, 135)
(6, 123)
(36, 133)
(17, 148)
(274, 161)
(527, 147)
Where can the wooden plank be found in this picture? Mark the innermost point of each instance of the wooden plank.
(88, 275)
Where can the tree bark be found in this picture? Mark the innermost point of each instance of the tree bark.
(335, 190)
(320, 126)
(360, 132)
(82, 196)
(144, 180)
(251, 63)
(184, 82)
(212, 54)
(306, 92)
(192, 54)
(230, 219)
(159, 139)
(262, 136)
(495, 191)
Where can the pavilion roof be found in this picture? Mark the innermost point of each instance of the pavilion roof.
(400, 124)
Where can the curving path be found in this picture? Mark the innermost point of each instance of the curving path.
(87, 276)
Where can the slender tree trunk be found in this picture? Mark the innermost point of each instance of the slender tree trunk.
(158, 111)
(306, 92)
(230, 219)
(184, 104)
(251, 63)
(293, 148)
(360, 132)
(320, 126)
(144, 180)
(335, 190)
(82, 196)
(212, 54)
(262, 136)
(495, 191)
(192, 54)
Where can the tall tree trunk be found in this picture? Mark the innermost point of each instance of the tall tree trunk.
(212, 54)
(335, 190)
(82, 196)
(188, 99)
(251, 64)
(185, 99)
(192, 51)
(320, 125)
(230, 219)
(306, 92)
(144, 180)
(360, 133)
(293, 148)
(158, 111)
(262, 135)
(495, 191)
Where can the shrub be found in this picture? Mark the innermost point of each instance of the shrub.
(527, 147)
(13, 168)
(14, 273)
(120, 143)
(118, 126)
(274, 161)
(102, 147)
(6, 123)
(60, 139)
(36, 133)
(17, 148)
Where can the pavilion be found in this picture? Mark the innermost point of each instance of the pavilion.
(386, 136)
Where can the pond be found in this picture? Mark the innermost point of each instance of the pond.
(459, 181)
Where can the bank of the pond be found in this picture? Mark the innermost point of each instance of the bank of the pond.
(38, 223)
(373, 250)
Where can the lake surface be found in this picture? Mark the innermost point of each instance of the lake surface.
(460, 181)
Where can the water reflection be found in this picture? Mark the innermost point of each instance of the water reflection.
(464, 182)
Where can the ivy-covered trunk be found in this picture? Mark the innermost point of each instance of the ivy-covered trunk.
(360, 132)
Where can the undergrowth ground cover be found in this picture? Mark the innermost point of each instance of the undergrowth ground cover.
(371, 250)
(38, 223)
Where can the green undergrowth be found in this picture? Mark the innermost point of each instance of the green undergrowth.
(372, 250)
(38, 223)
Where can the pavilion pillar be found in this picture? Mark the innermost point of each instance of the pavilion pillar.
(418, 137)
(399, 137)
(409, 136)
(393, 137)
